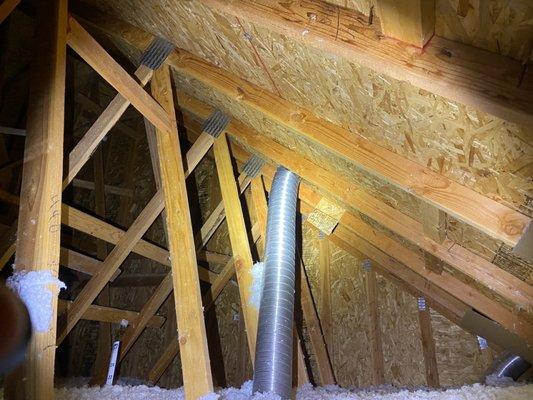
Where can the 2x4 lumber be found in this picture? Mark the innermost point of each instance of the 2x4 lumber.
(148, 311)
(88, 104)
(314, 328)
(95, 55)
(83, 150)
(39, 218)
(115, 258)
(428, 348)
(324, 256)
(116, 190)
(125, 242)
(194, 353)
(124, 208)
(444, 281)
(433, 222)
(411, 21)
(110, 314)
(208, 229)
(450, 69)
(6, 8)
(67, 257)
(8, 244)
(376, 346)
(491, 217)
(453, 70)
(355, 200)
(93, 226)
(82, 263)
(242, 254)
(209, 298)
(261, 207)
(218, 216)
(104, 344)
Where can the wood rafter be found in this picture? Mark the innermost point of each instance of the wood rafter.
(464, 203)
(450, 69)
(409, 265)
(355, 200)
(346, 238)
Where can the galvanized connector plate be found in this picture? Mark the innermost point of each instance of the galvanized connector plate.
(216, 123)
(253, 166)
(156, 53)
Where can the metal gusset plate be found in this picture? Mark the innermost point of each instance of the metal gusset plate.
(216, 123)
(252, 167)
(156, 53)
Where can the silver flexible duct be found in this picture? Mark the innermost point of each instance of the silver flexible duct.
(509, 366)
(273, 355)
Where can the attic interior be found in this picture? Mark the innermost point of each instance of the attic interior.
(265, 199)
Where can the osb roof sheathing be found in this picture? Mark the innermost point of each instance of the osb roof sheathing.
(501, 26)
(474, 148)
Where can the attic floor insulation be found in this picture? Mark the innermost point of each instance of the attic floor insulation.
(306, 392)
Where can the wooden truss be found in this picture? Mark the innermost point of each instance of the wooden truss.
(42, 211)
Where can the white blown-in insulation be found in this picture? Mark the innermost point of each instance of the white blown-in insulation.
(307, 392)
(36, 289)
(258, 276)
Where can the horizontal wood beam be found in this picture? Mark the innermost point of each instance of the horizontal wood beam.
(110, 314)
(109, 189)
(385, 264)
(451, 69)
(491, 217)
(487, 215)
(356, 200)
(100, 229)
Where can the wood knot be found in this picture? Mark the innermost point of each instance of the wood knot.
(446, 52)
(298, 116)
(426, 183)
(240, 93)
(513, 226)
